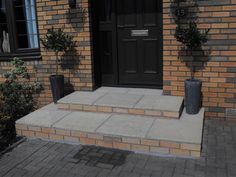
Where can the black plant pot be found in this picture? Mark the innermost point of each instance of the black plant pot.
(193, 95)
(57, 86)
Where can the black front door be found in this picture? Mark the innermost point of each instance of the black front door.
(139, 29)
(129, 42)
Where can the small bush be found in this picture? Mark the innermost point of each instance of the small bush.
(7, 131)
(17, 91)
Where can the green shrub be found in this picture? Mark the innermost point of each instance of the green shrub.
(7, 131)
(58, 41)
(17, 91)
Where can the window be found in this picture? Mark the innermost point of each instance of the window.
(18, 28)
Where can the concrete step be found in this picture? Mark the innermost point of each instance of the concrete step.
(132, 101)
(142, 134)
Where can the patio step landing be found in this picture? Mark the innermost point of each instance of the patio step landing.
(139, 133)
(132, 101)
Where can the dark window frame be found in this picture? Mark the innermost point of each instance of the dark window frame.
(23, 53)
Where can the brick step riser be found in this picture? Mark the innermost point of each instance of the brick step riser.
(130, 111)
(140, 145)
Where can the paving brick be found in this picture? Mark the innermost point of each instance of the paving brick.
(169, 144)
(131, 140)
(21, 127)
(63, 106)
(195, 154)
(76, 107)
(137, 111)
(160, 150)
(19, 132)
(48, 130)
(56, 137)
(180, 152)
(71, 139)
(90, 108)
(79, 134)
(108, 144)
(171, 114)
(194, 147)
(104, 109)
(63, 132)
(28, 133)
(112, 138)
(120, 110)
(152, 113)
(95, 136)
(124, 146)
(36, 129)
(140, 148)
(150, 142)
(42, 135)
(88, 141)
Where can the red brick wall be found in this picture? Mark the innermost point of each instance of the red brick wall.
(218, 75)
(77, 66)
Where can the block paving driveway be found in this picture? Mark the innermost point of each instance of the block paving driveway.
(37, 158)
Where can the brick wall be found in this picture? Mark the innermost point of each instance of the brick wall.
(76, 66)
(219, 73)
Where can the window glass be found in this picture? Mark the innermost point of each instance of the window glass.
(4, 37)
(26, 27)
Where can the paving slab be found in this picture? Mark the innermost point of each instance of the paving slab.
(87, 98)
(140, 91)
(160, 102)
(82, 121)
(42, 117)
(112, 90)
(123, 100)
(125, 125)
(187, 129)
(52, 107)
(150, 102)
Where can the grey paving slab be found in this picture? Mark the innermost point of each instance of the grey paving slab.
(52, 107)
(164, 103)
(140, 91)
(82, 98)
(83, 121)
(125, 125)
(42, 117)
(112, 90)
(188, 129)
(118, 100)
(125, 98)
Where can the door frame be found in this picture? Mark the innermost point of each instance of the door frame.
(94, 12)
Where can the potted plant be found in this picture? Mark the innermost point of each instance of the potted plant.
(58, 41)
(192, 39)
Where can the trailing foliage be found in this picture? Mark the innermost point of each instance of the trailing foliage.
(191, 37)
(187, 31)
(17, 91)
(58, 41)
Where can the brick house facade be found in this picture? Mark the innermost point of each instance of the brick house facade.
(218, 75)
